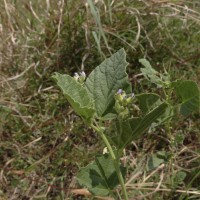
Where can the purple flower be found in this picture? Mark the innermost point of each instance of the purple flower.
(119, 91)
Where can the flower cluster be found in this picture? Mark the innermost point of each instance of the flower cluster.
(80, 77)
(122, 102)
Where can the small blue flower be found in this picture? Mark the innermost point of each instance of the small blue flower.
(119, 91)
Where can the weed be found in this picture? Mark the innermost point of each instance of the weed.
(38, 38)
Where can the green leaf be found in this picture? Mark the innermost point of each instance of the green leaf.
(180, 176)
(76, 94)
(124, 132)
(148, 101)
(121, 131)
(189, 93)
(179, 138)
(109, 116)
(100, 176)
(155, 160)
(105, 80)
(150, 73)
(148, 119)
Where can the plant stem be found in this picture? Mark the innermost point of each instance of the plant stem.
(121, 180)
(115, 160)
(100, 132)
(168, 95)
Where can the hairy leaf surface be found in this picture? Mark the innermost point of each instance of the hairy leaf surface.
(105, 80)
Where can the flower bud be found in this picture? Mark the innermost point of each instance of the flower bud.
(130, 99)
(119, 96)
(76, 76)
(119, 108)
(119, 91)
(124, 114)
(83, 74)
(105, 150)
(124, 102)
(82, 77)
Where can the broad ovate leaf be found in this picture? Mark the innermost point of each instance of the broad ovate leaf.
(76, 94)
(189, 93)
(157, 159)
(124, 132)
(147, 101)
(121, 131)
(105, 80)
(147, 120)
(100, 176)
(160, 79)
(150, 73)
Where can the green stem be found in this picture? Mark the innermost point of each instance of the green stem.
(115, 160)
(168, 96)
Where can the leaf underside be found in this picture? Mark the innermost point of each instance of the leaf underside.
(150, 73)
(189, 93)
(76, 94)
(100, 176)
